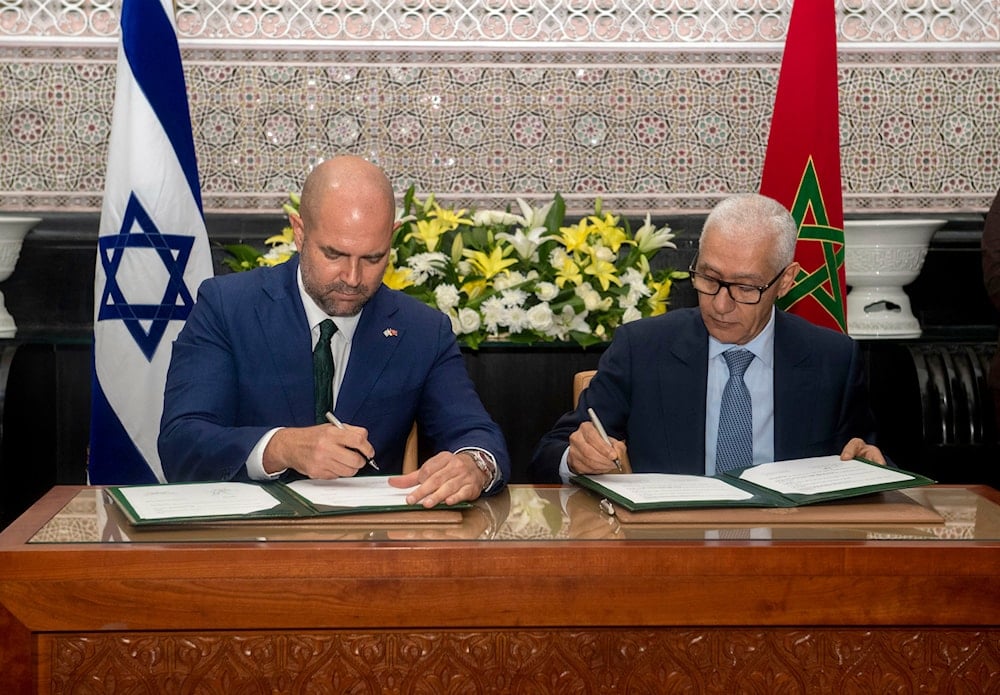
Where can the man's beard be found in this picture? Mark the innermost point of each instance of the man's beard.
(341, 307)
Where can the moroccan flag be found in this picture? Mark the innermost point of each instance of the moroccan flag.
(152, 250)
(802, 163)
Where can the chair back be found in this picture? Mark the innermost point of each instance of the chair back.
(580, 381)
(410, 461)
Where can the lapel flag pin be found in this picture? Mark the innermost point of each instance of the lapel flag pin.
(390, 332)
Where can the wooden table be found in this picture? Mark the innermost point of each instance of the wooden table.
(535, 591)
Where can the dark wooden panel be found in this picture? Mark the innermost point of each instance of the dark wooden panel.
(793, 660)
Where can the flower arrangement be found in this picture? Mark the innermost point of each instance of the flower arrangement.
(521, 277)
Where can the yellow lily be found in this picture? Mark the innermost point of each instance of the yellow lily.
(271, 258)
(607, 227)
(450, 218)
(603, 271)
(569, 272)
(397, 278)
(574, 238)
(286, 237)
(429, 232)
(489, 265)
(474, 288)
(657, 302)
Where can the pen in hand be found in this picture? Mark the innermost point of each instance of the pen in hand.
(604, 435)
(332, 419)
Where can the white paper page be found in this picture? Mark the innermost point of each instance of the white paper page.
(811, 476)
(670, 487)
(197, 500)
(363, 491)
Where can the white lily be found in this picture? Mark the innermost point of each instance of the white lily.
(533, 218)
(648, 238)
(525, 243)
(491, 218)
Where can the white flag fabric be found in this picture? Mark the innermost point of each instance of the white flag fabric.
(153, 249)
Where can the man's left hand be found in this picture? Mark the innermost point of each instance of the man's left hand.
(445, 477)
(858, 448)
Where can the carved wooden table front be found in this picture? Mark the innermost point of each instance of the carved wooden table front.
(535, 592)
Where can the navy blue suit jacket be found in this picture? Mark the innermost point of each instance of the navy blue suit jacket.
(650, 391)
(242, 365)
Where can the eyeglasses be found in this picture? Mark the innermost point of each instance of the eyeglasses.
(738, 292)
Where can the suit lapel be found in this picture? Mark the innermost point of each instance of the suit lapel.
(795, 377)
(685, 392)
(285, 333)
(376, 338)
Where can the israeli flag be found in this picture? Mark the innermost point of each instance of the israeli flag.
(152, 251)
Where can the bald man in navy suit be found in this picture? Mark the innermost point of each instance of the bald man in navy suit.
(239, 402)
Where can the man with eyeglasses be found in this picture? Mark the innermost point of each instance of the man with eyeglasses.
(660, 385)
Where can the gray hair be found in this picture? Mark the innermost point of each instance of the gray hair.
(752, 218)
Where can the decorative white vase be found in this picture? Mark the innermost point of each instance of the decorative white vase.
(12, 233)
(881, 257)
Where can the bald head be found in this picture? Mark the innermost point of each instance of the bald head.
(344, 232)
(347, 180)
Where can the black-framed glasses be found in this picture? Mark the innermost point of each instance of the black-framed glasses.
(739, 292)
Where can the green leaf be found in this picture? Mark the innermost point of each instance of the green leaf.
(242, 257)
(471, 341)
(557, 214)
(457, 246)
(408, 199)
(529, 338)
(586, 339)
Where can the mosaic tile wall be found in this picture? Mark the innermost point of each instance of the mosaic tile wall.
(651, 104)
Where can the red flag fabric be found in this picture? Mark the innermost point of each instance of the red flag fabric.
(802, 162)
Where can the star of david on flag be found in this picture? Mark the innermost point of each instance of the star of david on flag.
(152, 251)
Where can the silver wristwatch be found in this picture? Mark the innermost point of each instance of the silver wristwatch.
(484, 464)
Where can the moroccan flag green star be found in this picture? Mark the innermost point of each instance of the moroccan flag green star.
(802, 163)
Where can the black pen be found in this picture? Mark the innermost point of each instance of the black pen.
(332, 419)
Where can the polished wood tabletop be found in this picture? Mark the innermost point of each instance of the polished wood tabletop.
(528, 559)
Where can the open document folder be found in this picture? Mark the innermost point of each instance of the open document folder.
(186, 502)
(789, 483)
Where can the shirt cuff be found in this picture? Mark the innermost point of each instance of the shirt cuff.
(255, 461)
(564, 472)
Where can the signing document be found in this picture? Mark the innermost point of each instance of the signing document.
(198, 500)
(647, 488)
(812, 476)
(176, 502)
(364, 491)
(779, 484)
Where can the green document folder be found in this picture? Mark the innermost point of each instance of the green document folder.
(175, 503)
(779, 484)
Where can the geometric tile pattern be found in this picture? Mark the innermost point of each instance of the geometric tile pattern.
(553, 21)
(662, 127)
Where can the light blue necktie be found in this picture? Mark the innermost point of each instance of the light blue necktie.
(735, 446)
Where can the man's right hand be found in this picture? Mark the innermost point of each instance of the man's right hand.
(590, 454)
(323, 452)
